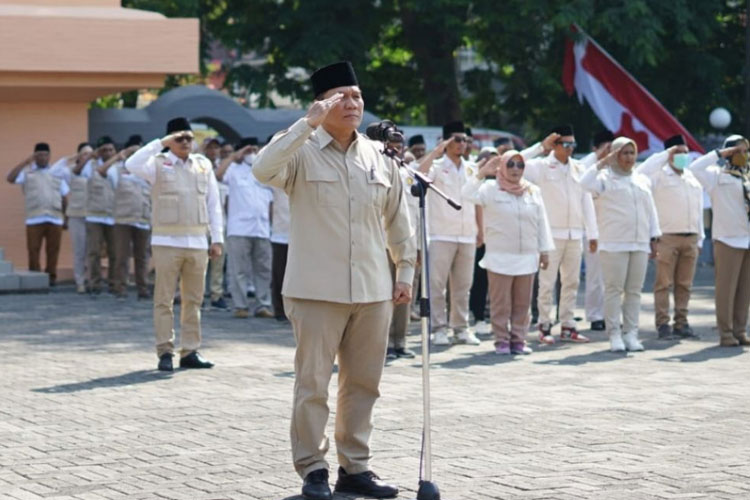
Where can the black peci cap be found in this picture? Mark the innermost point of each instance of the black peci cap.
(451, 128)
(41, 146)
(178, 125)
(675, 140)
(563, 130)
(340, 74)
(247, 141)
(603, 136)
(416, 139)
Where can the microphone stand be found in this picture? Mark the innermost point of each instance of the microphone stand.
(428, 490)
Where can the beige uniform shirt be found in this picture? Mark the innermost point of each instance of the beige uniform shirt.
(341, 204)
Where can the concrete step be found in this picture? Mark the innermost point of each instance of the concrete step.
(5, 267)
(10, 282)
(33, 280)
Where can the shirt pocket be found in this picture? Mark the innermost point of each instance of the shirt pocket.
(378, 186)
(169, 209)
(201, 182)
(168, 180)
(325, 185)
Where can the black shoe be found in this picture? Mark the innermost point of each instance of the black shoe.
(195, 360)
(390, 354)
(598, 326)
(165, 363)
(685, 333)
(220, 304)
(664, 332)
(316, 486)
(403, 352)
(281, 318)
(366, 483)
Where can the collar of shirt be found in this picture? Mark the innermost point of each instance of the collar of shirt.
(555, 163)
(324, 138)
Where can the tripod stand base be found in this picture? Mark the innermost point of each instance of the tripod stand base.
(428, 491)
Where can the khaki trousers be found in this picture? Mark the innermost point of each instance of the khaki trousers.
(244, 252)
(594, 301)
(510, 302)
(732, 289)
(358, 334)
(77, 231)
(216, 276)
(130, 239)
(96, 235)
(624, 273)
(675, 268)
(400, 320)
(454, 261)
(565, 258)
(189, 266)
(50, 234)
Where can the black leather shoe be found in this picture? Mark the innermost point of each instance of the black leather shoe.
(366, 483)
(316, 486)
(598, 326)
(403, 352)
(165, 363)
(195, 360)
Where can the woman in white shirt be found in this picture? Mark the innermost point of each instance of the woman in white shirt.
(517, 238)
(628, 230)
(724, 175)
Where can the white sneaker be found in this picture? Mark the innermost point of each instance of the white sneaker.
(441, 338)
(631, 341)
(483, 327)
(467, 337)
(616, 343)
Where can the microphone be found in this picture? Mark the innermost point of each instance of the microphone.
(384, 131)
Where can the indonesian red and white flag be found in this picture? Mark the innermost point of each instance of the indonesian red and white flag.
(622, 104)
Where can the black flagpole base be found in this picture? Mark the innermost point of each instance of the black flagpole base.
(428, 491)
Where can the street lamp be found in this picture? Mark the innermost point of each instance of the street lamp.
(720, 118)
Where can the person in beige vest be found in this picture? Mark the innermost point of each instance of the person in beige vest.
(724, 174)
(185, 209)
(347, 206)
(44, 190)
(679, 203)
(453, 237)
(570, 211)
(628, 228)
(132, 214)
(100, 203)
(517, 240)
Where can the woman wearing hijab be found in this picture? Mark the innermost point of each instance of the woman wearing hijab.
(723, 173)
(517, 238)
(628, 231)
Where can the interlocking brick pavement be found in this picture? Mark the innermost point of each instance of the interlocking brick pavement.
(85, 415)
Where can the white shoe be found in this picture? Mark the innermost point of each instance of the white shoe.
(467, 337)
(616, 343)
(631, 341)
(441, 338)
(482, 327)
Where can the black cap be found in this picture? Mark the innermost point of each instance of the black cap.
(603, 136)
(105, 139)
(502, 140)
(451, 128)
(247, 141)
(675, 140)
(468, 131)
(213, 140)
(134, 140)
(563, 130)
(82, 145)
(340, 74)
(41, 146)
(178, 125)
(416, 139)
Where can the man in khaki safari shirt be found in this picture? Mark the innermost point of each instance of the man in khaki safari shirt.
(347, 204)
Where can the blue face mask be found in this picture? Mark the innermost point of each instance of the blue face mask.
(680, 161)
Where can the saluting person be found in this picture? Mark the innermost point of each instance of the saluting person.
(347, 206)
(185, 208)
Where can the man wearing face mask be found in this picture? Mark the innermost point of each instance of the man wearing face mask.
(185, 208)
(100, 220)
(570, 210)
(678, 197)
(723, 173)
(248, 230)
(44, 189)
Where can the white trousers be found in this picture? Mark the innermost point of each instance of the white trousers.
(77, 230)
(451, 266)
(243, 252)
(624, 274)
(594, 287)
(565, 258)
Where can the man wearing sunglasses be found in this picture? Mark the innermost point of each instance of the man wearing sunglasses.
(571, 212)
(185, 208)
(454, 235)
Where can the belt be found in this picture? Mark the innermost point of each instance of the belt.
(683, 234)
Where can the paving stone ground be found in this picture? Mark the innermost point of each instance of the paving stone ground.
(84, 414)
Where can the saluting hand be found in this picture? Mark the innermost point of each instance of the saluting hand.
(489, 167)
(319, 109)
(548, 143)
(609, 159)
(401, 293)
